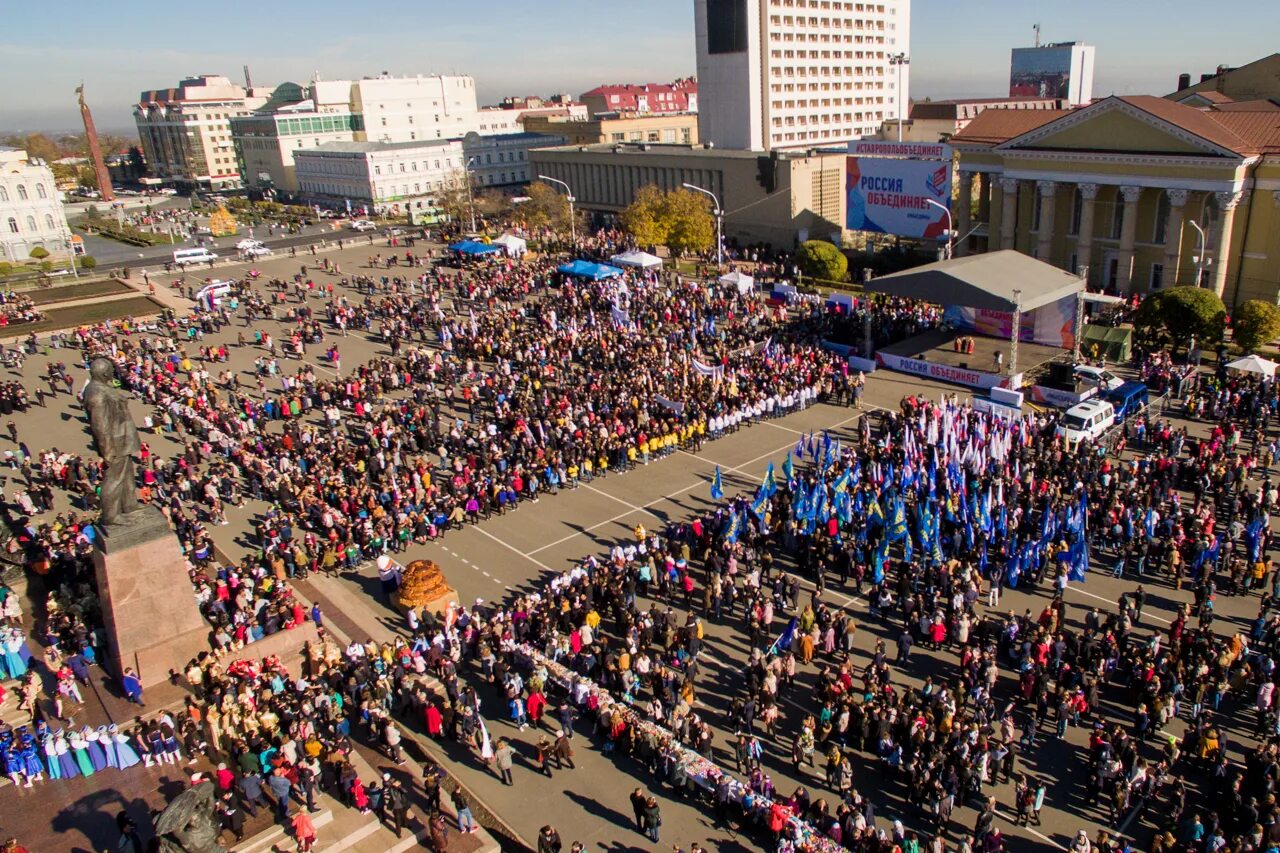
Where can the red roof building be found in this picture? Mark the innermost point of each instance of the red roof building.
(680, 96)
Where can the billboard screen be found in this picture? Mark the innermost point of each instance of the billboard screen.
(1040, 72)
(891, 196)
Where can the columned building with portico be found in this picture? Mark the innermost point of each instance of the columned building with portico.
(1137, 193)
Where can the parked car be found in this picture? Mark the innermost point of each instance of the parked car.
(1101, 378)
(362, 225)
(258, 251)
(248, 243)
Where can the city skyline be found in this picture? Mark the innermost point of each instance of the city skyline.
(502, 49)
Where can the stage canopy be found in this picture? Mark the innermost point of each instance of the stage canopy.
(473, 247)
(636, 258)
(512, 244)
(985, 281)
(586, 269)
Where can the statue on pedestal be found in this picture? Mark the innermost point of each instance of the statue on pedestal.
(116, 438)
(190, 823)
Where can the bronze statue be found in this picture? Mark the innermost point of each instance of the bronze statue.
(116, 438)
(190, 823)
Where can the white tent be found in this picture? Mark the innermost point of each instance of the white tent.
(1254, 364)
(741, 280)
(636, 258)
(512, 245)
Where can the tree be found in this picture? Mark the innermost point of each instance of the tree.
(820, 259)
(87, 177)
(452, 198)
(679, 220)
(1178, 315)
(493, 203)
(645, 218)
(87, 262)
(37, 145)
(39, 253)
(1255, 324)
(544, 207)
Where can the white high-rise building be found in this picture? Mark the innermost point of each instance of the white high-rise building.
(1062, 70)
(799, 73)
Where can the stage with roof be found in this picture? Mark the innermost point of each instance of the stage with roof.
(980, 294)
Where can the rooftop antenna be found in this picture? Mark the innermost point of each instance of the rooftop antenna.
(1036, 27)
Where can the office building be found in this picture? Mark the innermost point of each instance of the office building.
(1138, 193)
(680, 96)
(292, 120)
(780, 199)
(30, 209)
(777, 74)
(186, 131)
(1061, 70)
(938, 121)
(678, 128)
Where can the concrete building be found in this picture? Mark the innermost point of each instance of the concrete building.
(30, 209)
(799, 73)
(399, 176)
(267, 140)
(679, 129)
(938, 121)
(680, 96)
(1122, 189)
(1061, 70)
(1257, 80)
(781, 198)
(186, 131)
(503, 160)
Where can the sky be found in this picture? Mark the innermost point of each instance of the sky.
(546, 46)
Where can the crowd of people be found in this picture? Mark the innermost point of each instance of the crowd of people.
(508, 382)
(18, 308)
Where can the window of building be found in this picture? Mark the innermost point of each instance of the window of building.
(40, 191)
(13, 224)
(1157, 275)
(48, 221)
(31, 223)
(4, 194)
(22, 192)
(1117, 215)
(726, 26)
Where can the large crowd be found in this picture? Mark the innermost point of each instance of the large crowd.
(508, 383)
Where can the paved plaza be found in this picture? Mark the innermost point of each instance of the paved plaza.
(521, 550)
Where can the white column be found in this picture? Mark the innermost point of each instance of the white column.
(964, 203)
(1044, 239)
(1173, 237)
(1084, 240)
(1008, 211)
(1128, 232)
(1227, 203)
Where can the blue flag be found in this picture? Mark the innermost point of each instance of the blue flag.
(788, 469)
(717, 487)
(1253, 539)
(898, 520)
(769, 485)
(1078, 560)
(758, 505)
(784, 639)
(735, 526)
(877, 561)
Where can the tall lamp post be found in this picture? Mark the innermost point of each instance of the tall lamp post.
(947, 250)
(899, 60)
(719, 215)
(1017, 332)
(573, 226)
(471, 202)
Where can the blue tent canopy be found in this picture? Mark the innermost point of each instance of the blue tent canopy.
(474, 247)
(587, 269)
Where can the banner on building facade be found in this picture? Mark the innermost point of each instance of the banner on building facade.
(890, 195)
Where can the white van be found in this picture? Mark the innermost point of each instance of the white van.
(186, 257)
(1088, 420)
(213, 293)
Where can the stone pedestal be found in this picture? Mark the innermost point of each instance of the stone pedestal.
(152, 621)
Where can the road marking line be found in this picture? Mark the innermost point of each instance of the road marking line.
(528, 556)
(634, 508)
(1039, 835)
(1101, 598)
(677, 493)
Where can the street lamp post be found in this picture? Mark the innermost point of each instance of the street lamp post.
(1199, 258)
(718, 213)
(573, 226)
(71, 251)
(466, 172)
(899, 60)
(950, 235)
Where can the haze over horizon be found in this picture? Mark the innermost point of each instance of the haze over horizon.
(955, 51)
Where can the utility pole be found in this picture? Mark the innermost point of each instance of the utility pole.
(573, 225)
(719, 215)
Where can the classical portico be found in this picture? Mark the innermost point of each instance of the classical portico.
(1115, 191)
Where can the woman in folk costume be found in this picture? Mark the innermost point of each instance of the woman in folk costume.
(11, 758)
(80, 749)
(108, 746)
(97, 756)
(126, 757)
(32, 767)
(50, 746)
(15, 654)
(66, 761)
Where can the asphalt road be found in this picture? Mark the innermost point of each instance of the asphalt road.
(520, 550)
